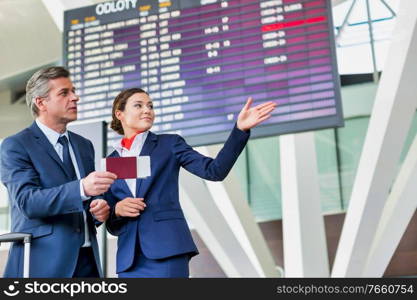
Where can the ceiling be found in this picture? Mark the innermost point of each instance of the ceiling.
(29, 39)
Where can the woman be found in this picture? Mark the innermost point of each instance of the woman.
(153, 237)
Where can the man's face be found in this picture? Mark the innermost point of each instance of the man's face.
(61, 104)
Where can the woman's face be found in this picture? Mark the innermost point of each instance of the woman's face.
(138, 114)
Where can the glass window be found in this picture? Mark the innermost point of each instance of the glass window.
(410, 137)
(327, 166)
(350, 142)
(264, 178)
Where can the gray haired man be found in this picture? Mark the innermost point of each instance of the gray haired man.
(53, 188)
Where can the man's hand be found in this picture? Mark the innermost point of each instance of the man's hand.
(249, 116)
(100, 209)
(130, 207)
(97, 183)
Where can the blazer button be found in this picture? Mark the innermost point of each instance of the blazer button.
(78, 230)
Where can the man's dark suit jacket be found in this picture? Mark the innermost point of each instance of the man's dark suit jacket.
(45, 202)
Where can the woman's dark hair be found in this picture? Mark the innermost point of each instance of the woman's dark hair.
(120, 104)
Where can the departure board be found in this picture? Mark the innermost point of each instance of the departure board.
(201, 59)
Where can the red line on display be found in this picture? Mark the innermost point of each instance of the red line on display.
(277, 26)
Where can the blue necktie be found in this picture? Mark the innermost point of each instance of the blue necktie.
(67, 158)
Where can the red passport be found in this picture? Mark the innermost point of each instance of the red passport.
(128, 167)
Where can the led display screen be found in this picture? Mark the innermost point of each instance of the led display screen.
(200, 60)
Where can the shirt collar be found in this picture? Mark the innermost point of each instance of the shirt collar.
(139, 140)
(50, 134)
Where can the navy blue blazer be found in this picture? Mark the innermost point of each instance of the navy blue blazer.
(161, 228)
(46, 203)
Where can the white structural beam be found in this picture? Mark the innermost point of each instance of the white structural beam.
(203, 213)
(394, 108)
(397, 213)
(232, 203)
(56, 9)
(305, 247)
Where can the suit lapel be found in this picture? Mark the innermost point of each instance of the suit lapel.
(142, 185)
(45, 144)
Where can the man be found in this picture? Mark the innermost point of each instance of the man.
(50, 177)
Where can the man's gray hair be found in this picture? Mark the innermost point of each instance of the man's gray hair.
(38, 85)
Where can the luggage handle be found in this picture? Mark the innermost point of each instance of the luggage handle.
(26, 239)
(15, 237)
